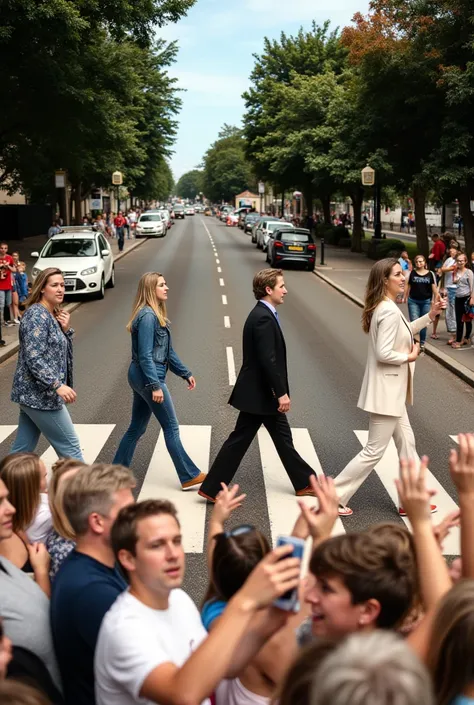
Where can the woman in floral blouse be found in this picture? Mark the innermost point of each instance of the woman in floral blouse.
(42, 385)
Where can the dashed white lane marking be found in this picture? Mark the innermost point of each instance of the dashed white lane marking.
(226, 322)
(218, 261)
(221, 282)
(224, 299)
(219, 269)
(231, 365)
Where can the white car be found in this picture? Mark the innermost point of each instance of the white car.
(150, 224)
(85, 258)
(166, 215)
(266, 228)
(189, 210)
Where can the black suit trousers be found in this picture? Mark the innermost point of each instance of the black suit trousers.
(230, 455)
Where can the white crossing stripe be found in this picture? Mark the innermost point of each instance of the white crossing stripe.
(6, 431)
(162, 482)
(388, 471)
(282, 504)
(92, 438)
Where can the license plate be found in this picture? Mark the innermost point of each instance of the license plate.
(70, 282)
(295, 248)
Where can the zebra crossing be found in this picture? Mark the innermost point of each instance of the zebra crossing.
(161, 479)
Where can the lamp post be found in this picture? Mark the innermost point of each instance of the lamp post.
(368, 177)
(117, 180)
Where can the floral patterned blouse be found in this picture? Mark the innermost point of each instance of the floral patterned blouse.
(58, 549)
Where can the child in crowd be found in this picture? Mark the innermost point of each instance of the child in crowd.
(21, 280)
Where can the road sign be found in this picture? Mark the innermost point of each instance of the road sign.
(368, 176)
(261, 187)
(117, 178)
(60, 179)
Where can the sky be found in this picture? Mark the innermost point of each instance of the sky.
(217, 40)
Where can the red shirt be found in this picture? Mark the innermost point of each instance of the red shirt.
(5, 274)
(119, 221)
(438, 250)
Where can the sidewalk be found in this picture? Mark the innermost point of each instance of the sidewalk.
(348, 271)
(34, 244)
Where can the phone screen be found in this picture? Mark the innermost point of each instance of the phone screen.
(298, 550)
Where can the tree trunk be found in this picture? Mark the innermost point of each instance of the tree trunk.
(78, 204)
(326, 201)
(357, 198)
(468, 220)
(308, 201)
(419, 199)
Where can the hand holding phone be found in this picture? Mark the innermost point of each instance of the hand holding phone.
(289, 600)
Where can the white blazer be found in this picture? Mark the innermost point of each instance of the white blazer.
(388, 378)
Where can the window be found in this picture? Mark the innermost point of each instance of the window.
(291, 236)
(150, 218)
(102, 243)
(76, 247)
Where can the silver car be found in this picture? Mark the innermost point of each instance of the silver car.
(262, 234)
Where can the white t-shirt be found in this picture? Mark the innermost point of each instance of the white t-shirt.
(42, 524)
(135, 639)
(448, 276)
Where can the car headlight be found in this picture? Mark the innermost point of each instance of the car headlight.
(90, 270)
(35, 271)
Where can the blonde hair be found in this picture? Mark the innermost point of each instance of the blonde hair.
(375, 289)
(39, 284)
(92, 490)
(21, 473)
(146, 296)
(56, 489)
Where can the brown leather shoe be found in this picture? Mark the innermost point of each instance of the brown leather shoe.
(198, 480)
(206, 496)
(305, 492)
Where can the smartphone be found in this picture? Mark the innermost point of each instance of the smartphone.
(289, 600)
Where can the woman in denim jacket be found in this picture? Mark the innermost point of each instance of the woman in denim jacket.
(152, 356)
(42, 385)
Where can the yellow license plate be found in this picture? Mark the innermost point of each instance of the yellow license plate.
(294, 248)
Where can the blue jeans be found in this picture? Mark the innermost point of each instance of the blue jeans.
(142, 409)
(56, 426)
(417, 309)
(120, 234)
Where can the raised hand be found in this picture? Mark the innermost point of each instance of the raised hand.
(271, 578)
(461, 464)
(414, 496)
(443, 529)
(318, 522)
(227, 501)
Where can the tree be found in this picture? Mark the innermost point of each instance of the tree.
(227, 171)
(190, 184)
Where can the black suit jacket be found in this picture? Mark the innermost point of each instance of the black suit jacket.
(263, 377)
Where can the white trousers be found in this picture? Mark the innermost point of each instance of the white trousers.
(381, 430)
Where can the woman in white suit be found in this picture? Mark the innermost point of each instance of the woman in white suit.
(388, 379)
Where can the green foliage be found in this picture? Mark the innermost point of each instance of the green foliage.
(190, 184)
(227, 171)
(379, 249)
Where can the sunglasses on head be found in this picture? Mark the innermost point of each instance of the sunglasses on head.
(239, 530)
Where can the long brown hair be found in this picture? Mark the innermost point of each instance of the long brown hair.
(146, 296)
(450, 657)
(39, 284)
(21, 473)
(375, 289)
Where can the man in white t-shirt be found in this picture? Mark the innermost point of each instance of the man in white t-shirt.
(152, 647)
(448, 269)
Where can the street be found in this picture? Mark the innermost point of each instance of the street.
(209, 270)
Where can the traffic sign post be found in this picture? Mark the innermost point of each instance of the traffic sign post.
(261, 190)
(117, 180)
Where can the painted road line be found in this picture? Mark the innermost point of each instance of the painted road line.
(6, 431)
(224, 299)
(388, 470)
(218, 261)
(92, 438)
(226, 322)
(231, 365)
(219, 269)
(282, 504)
(221, 282)
(162, 482)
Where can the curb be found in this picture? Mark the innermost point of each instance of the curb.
(446, 361)
(12, 348)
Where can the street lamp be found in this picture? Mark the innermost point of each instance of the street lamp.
(368, 177)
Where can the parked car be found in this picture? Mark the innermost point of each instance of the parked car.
(179, 211)
(85, 258)
(166, 215)
(265, 230)
(232, 219)
(224, 211)
(189, 210)
(150, 224)
(249, 221)
(291, 245)
(262, 223)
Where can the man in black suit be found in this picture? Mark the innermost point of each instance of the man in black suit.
(261, 392)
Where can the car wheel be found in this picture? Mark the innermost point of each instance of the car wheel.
(272, 261)
(101, 292)
(310, 267)
(111, 282)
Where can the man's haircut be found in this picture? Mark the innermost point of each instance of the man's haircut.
(264, 278)
(124, 534)
(377, 668)
(92, 490)
(370, 568)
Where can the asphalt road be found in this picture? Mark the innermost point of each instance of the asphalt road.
(326, 351)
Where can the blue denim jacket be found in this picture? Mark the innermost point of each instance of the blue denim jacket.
(152, 346)
(44, 360)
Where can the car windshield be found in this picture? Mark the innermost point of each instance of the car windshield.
(179, 208)
(290, 236)
(275, 226)
(150, 218)
(251, 218)
(76, 247)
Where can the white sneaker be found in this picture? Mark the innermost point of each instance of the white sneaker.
(16, 321)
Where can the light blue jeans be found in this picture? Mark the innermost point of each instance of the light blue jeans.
(142, 409)
(417, 309)
(56, 426)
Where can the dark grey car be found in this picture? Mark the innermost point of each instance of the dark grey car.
(295, 245)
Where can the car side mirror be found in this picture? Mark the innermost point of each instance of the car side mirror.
(35, 254)
(105, 253)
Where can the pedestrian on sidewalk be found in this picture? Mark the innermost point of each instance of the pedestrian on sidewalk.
(421, 291)
(437, 252)
(42, 384)
(447, 272)
(261, 392)
(119, 222)
(54, 229)
(388, 379)
(7, 270)
(152, 356)
(464, 280)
